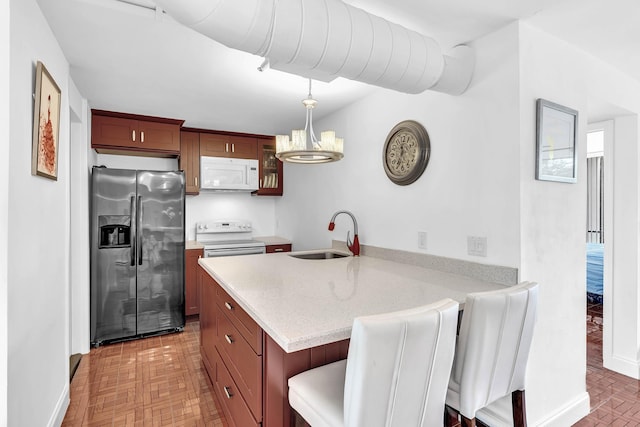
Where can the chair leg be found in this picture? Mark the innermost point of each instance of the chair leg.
(297, 420)
(519, 409)
(450, 416)
(466, 422)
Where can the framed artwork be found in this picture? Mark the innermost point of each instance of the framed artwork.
(46, 125)
(556, 128)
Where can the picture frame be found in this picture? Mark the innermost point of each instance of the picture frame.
(46, 125)
(556, 135)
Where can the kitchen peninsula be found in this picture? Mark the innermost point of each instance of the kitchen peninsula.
(265, 318)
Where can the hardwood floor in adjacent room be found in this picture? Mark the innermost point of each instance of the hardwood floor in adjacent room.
(615, 398)
(157, 381)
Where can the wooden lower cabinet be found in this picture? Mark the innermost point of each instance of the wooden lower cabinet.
(191, 282)
(248, 369)
(227, 349)
(270, 249)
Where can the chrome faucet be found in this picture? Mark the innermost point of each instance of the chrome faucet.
(354, 246)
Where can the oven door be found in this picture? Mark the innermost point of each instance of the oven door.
(214, 252)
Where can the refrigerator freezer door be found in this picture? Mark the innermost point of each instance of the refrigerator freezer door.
(113, 275)
(160, 251)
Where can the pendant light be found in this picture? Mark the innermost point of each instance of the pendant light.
(304, 147)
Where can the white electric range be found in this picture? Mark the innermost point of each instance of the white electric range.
(226, 238)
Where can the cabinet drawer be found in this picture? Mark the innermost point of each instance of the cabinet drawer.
(278, 248)
(244, 365)
(234, 407)
(247, 327)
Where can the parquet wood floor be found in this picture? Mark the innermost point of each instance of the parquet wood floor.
(160, 381)
(615, 398)
(157, 381)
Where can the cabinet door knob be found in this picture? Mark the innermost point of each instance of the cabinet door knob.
(195, 179)
(278, 250)
(227, 391)
(228, 338)
(141, 136)
(233, 148)
(228, 305)
(226, 147)
(133, 135)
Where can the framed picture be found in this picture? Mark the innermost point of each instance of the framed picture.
(556, 128)
(46, 125)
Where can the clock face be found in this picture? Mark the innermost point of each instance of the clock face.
(402, 153)
(406, 152)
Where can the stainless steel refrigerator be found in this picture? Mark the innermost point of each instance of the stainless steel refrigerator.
(137, 253)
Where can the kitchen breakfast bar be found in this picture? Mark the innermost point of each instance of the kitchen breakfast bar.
(265, 318)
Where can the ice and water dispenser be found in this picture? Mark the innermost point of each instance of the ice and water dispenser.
(115, 231)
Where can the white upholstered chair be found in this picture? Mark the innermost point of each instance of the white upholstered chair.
(492, 352)
(396, 372)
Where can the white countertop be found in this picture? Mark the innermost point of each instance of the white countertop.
(192, 244)
(305, 303)
(273, 240)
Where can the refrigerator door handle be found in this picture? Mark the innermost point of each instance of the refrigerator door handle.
(139, 229)
(133, 241)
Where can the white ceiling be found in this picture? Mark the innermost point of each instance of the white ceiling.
(132, 58)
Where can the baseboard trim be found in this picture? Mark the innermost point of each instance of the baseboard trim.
(498, 414)
(569, 414)
(61, 408)
(622, 365)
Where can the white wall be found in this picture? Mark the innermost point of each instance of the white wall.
(260, 210)
(553, 236)
(553, 250)
(5, 108)
(467, 189)
(79, 219)
(38, 262)
(621, 339)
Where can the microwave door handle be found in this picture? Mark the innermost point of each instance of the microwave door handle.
(135, 230)
(139, 229)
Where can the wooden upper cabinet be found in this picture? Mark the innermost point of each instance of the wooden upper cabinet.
(270, 169)
(190, 161)
(120, 133)
(223, 145)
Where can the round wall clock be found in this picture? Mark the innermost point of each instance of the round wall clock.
(406, 152)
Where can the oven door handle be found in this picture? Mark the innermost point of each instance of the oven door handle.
(209, 253)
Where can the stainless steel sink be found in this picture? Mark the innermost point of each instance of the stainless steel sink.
(319, 255)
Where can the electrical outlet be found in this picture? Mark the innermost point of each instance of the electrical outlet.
(422, 239)
(477, 246)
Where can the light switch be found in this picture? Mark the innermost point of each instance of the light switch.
(477, 246)
(422, 239)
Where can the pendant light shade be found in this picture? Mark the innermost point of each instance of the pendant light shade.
(304, 147)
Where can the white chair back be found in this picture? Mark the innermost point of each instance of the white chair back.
(493, 345)
(399, 365)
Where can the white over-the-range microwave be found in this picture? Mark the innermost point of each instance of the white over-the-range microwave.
(227, 174)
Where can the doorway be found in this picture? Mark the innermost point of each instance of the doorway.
(595, 238)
